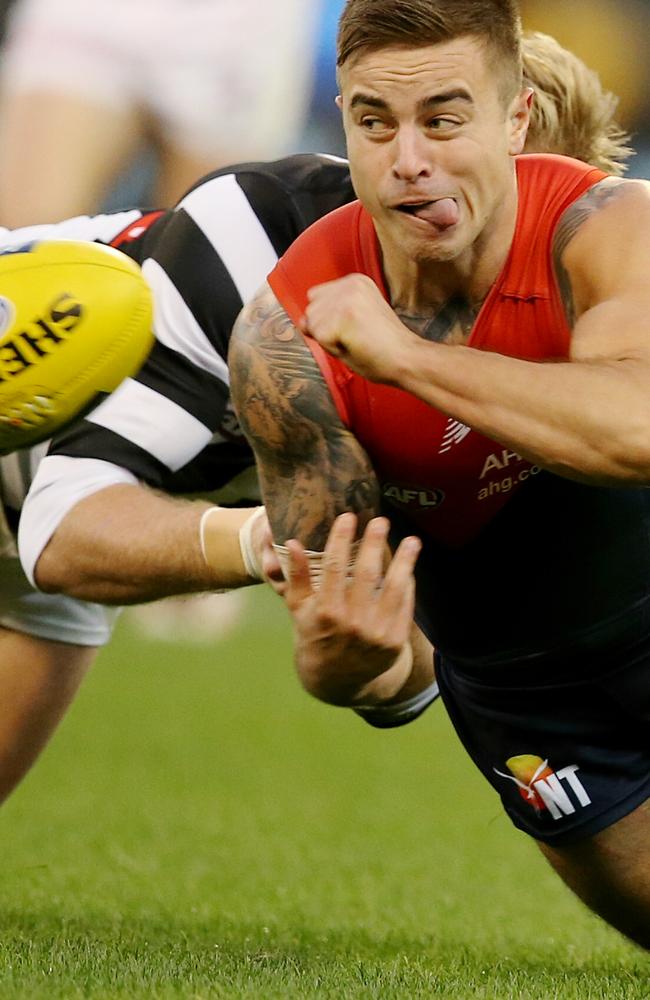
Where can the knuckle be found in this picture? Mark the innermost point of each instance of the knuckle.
(332, 563)
(357, 630)
(367, 574)
(327, 620)
(292, 600)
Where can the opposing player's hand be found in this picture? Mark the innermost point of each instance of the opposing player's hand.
(355, 627)
(351, 319)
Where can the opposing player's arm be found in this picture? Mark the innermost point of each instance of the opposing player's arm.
(587, 418)
(125, 544)
(312, 469)
(93, 525)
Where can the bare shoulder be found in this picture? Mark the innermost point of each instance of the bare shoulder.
(600, 241)
(311, 467)
(609, 203)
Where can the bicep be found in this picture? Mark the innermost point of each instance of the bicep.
(614, 330)
(311, 467)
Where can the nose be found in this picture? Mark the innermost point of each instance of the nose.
(412, 155)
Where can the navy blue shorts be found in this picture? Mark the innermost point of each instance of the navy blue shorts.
(568, 751)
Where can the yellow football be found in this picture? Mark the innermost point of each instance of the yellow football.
(75, 320)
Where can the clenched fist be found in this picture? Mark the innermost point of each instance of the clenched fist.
(351, 320)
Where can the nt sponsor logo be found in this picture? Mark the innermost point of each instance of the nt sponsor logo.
(559, 792)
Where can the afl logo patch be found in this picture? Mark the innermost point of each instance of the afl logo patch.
(412, 496)
(7, 314)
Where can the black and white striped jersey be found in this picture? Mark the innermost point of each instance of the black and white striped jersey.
(18, 469)
(172, 425)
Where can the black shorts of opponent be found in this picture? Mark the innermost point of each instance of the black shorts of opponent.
(565, 743)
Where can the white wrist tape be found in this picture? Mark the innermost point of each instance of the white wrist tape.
(315, 560)
(248, 552)
(202, 523)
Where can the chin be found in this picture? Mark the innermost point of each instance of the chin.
(439, 252)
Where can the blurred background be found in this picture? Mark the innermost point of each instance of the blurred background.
(611, 36)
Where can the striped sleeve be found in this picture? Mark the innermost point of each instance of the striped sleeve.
(172, 425)
(87, 228)
(207, 260)
(210, 258)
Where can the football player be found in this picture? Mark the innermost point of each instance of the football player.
(106, 522)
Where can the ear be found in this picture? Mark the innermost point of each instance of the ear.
(519, 120)
(338, 100)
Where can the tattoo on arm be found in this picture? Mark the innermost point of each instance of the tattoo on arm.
(595, 199)
(311, 467)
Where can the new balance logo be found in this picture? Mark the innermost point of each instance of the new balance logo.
(455, 432)
(559, 792)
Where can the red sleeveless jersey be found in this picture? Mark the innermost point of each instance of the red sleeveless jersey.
(448, 479)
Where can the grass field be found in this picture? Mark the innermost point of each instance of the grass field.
(201, 828)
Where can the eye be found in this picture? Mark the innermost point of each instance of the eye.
(374, 125)
(442, 123)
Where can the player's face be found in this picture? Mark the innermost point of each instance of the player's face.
(430, 141)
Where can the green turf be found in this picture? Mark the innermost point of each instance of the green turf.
(201, 828)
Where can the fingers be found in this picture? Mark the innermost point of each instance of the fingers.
(369, 564)
(332, 583)
(400, 569)
(334, 307)
(382, 603)
(361, 593)
(298, 587)
(336, 560)
(397, 599)
(387, 599)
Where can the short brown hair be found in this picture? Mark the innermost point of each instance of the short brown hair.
(377, 24)
(571, 114)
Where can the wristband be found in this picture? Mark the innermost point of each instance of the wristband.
(391, 716)
(204, 517)
(248, 552)
(315, 560)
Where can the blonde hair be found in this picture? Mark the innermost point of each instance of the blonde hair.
(572, 114)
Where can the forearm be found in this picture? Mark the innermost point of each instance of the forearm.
(126, 544)
(585, 419)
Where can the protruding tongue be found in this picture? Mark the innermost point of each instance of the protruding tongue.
(442, 213)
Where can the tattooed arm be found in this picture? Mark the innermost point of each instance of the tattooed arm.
(588, 418)
(312, 469)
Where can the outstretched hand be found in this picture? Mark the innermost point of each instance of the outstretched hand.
(352, 320)
(355, 627)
